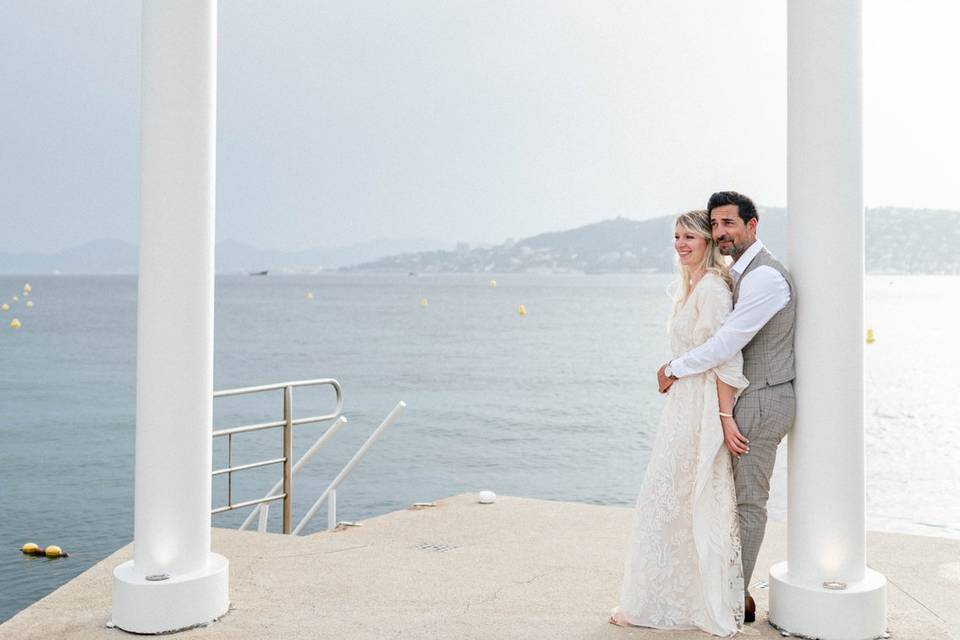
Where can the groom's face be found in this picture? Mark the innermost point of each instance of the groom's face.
(730, 233)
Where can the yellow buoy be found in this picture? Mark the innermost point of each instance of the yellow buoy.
(522, 310)
(309, 295)
(493, 284)
(5, 306)
(27, 287)
(14, 324)
(53, 551)
(15, 298)
(870, 338)
(31, 548)
(423, 302)
(25, 293)
(29, 303)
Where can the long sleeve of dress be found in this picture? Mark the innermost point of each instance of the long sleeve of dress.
(715, 303)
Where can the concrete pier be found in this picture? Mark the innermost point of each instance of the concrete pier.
(519, 568)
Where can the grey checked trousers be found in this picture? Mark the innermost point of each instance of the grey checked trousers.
(764, 416)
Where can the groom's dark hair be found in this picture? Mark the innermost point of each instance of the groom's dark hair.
(745, 206)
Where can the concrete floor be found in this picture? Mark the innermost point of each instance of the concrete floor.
(516, 569)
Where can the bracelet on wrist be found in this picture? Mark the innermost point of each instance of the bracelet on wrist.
(725, 415)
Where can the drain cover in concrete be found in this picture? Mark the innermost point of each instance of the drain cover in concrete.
(433, 546)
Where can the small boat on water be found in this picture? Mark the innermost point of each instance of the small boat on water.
(259, 273)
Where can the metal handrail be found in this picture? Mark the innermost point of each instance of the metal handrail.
(287, 425)
(244, 467)
(280, 385)
(330, 493)
(248, 503)
(304, 459)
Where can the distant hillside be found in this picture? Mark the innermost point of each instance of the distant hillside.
(98, 256)
(118, 257)
(913, 241)
(235, 257)
(897, 241)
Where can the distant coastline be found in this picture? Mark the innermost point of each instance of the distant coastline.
(899, 241)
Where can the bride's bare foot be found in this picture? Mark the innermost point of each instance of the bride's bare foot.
(616, 619)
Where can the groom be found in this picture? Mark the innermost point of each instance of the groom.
(761, 325)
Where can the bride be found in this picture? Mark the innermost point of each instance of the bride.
(683, 569)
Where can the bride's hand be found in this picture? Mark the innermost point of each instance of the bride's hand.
(733, 440)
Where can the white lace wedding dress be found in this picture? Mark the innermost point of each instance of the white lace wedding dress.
(683, 565)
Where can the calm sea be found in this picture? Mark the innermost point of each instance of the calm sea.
(557, 404)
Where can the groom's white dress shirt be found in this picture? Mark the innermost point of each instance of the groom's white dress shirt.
(763, 293)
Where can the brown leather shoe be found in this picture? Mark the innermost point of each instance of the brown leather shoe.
(749, 609)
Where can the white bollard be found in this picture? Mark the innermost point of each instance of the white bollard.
(824, 589)
(174, 581)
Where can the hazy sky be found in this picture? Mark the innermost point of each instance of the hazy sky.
(454, 119)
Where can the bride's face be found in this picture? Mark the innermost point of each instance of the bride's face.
(690, 247)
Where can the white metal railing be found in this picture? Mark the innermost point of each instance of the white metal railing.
(287, 424)
(283, 489)
(263, 508)
(330, 493)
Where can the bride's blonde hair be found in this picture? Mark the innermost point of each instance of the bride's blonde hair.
(698, 222)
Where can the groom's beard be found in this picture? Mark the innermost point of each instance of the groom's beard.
(730, 250)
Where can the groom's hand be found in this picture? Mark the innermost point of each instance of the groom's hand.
(663, 382)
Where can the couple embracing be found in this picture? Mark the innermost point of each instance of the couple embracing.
(702, 508)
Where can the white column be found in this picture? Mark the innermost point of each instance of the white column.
(174, 581)
(826, 251)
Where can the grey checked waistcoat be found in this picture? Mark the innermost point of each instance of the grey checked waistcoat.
(768, 358)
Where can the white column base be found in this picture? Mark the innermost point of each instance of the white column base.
(174, 604)
(858, 612)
